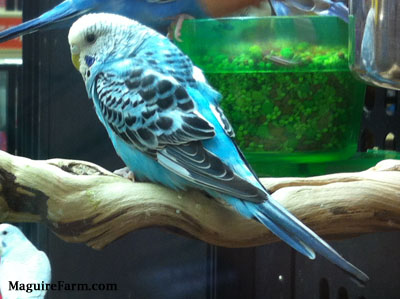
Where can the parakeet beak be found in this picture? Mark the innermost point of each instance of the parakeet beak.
(75, 61)
(75, 53)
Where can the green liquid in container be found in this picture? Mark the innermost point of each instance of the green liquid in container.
(286, 86)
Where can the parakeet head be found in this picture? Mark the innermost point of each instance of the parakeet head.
(96, 38)
(9, 236)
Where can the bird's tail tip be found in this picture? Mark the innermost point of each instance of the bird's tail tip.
(63, 11)
(288, 228)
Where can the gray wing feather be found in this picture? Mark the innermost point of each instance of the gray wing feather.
(154, 113)
(203, 167)
(150, 110)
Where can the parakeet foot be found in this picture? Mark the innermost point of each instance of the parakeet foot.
(125, 173)
(176, 27)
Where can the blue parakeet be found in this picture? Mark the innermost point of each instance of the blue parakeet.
(165, 122)
(21, 262)
(157, 14)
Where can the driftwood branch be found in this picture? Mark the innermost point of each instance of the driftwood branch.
(82, 202)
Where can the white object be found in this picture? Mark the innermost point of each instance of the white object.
(22, 265)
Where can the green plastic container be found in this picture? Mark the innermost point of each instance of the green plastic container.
(286, 85)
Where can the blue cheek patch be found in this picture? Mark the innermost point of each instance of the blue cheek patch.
(3, 244)
(89, 60)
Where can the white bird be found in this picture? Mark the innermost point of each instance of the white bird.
(22, 266)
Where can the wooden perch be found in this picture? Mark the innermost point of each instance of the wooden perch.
(82, 202)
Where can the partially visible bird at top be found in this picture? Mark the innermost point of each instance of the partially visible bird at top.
(21, 262)
(313, 7)
(157, 14)
(166, 124)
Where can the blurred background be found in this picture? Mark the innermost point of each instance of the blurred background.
(45, 113)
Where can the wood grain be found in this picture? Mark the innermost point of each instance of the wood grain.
(82, 202)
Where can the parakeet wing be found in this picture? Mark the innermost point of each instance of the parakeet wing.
(150, 110)
(38, 269)
(154, 113)
(26, 265)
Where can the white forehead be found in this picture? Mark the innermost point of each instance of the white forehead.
(8, 227)
(4, 226)
(95, 23)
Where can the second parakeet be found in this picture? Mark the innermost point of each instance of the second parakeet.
(21, 265)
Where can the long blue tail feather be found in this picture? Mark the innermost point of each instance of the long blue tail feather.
(294, 242)
(288, 228)
(61, 12)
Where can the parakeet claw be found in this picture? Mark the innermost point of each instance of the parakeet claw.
(125, 173)
(176, 27)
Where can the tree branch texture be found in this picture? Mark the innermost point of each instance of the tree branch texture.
(82, 202)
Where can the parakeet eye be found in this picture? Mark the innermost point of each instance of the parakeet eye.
(90, 38)
(5, 232)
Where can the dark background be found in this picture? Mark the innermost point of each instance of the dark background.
(56, 119)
